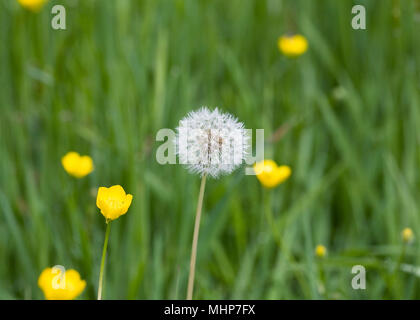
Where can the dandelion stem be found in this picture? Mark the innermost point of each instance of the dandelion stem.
(101, 273)
(195, 238)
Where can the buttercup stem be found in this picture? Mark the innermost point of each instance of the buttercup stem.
(267, 195)
(395, 281)
(322, 287)
(195, 238)
(101, 273)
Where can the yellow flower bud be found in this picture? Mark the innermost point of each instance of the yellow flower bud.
(407, 235)
(292, 46)
(57, 286)
(269, 174)
(33, 5)
(76, 165)
(113, 202)
(320, 251)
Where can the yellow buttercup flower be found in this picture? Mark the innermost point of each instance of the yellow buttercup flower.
(113, 202)
(58, 286)
(33, 5)
(407, 235)
(292, 46)
(320, 251)
(77, 165)
(269, 174)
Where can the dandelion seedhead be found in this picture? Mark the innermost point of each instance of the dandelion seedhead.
(211, 142)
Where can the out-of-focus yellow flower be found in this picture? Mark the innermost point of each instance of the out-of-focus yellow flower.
(269, 174)
(113, 202)
(320, 251)
(33, 5)
(292, 46)
(407, 235)
(77, 165)
(57, 286)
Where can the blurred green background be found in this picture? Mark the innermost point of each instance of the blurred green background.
(345, 116)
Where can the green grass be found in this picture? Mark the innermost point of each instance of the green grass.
(122, 70)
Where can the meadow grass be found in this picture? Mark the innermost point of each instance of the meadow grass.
(345, 116)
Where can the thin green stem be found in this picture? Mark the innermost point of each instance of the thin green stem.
(195, 239)
(396, 284)
(400, 259)
(322, 285)
(101, 273)
(270, 217)
(275, 231)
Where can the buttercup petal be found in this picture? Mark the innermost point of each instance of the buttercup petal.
(70, 284)
(113, 201)
(102, 194)
(269, 174)
(284, 172)
(127, 203)
(76, 165)
(117, 192)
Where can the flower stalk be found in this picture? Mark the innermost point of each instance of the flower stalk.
(195, 238)
(113, 202)
(101, 272)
